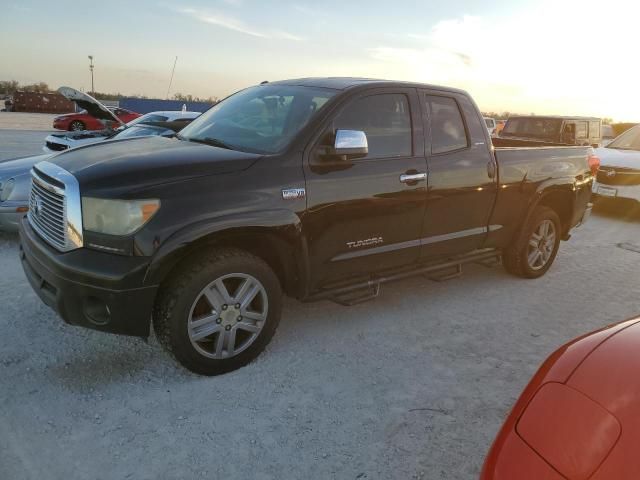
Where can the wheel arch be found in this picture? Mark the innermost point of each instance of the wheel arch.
(560, 197)
(276, 239)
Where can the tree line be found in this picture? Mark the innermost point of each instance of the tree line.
(9, 87)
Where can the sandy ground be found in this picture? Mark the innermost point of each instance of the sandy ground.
(20, 143)
(26, 121)
(414, 384)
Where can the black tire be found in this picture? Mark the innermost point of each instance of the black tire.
(516, 258)
(179, 296)
(77, 126)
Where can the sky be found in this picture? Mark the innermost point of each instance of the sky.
(528, 56)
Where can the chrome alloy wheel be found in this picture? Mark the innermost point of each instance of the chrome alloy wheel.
(228, 316)
(541, 245)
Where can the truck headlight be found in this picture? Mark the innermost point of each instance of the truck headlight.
(116, 217)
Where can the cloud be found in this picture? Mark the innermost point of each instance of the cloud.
(223, 21)
(508, 62)
(236, 25)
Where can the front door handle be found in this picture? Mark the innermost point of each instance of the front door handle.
(413, 178)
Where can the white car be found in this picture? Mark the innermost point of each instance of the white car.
(619, 172)
(491, 125)
(57, 142)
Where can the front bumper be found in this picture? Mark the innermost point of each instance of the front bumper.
(89, 288)
(628, 192)
(11, 213)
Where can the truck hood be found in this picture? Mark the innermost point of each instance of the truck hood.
(136, 163)
(88, 103)
(613, 157)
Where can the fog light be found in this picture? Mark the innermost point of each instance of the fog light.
(96, 311)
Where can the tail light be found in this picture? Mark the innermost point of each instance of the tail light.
(594, 162)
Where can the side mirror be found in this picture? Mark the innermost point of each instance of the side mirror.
(351, 144)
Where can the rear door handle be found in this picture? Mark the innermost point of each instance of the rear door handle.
(411, 178)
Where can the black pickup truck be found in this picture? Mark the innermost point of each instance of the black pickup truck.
(316, 188)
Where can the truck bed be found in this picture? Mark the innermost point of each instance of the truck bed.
(500, 142)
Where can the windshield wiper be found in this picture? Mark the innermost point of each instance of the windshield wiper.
(214, 142)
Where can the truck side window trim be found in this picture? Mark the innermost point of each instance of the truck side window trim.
(351, 101)
(427, 105)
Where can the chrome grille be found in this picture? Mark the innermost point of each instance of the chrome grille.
(55, 206)
(47, 212)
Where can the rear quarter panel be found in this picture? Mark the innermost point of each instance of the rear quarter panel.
(526, 175)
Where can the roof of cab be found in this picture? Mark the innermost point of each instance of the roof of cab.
(344, 83)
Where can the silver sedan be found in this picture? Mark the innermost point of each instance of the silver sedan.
(15, 183)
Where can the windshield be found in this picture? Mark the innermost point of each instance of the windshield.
(629, 140)
(149, 117)
(546, 128)
(142, 131)
(262, 119)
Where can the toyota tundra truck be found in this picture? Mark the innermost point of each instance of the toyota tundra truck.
(312, 188)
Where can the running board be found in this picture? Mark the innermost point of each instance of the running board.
(363, 291)
(355, 297)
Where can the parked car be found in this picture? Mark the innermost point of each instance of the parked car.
(553, 131)
(317, 188)
(15, 175)
(89, 118)
(619, 174)
(491, 125)
(57, 142)
(578, 417)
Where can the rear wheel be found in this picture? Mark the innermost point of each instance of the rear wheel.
(536, 245)
(219, 312)
(77, 125)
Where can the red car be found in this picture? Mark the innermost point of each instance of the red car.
(579, 417)
(83, 121)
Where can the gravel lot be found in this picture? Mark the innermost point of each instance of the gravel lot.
(414, 384)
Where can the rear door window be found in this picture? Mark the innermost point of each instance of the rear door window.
(385, 119)
(447, 126)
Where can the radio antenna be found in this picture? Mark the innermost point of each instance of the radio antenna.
(172, 72)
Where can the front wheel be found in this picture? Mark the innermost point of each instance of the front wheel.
(218, 312)
(536, 245)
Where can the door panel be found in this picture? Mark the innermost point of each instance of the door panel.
(360, 217)
(462, 177)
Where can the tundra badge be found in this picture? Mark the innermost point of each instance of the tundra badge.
(365, 243)
(293, 193)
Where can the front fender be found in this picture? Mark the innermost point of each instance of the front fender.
(284, 224)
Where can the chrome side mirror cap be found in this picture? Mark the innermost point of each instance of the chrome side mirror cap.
(351, 143)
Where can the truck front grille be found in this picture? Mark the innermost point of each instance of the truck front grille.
(618, 176)
(46, 213)
(54, 206)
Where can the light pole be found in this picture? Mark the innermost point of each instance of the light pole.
(93, 92)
